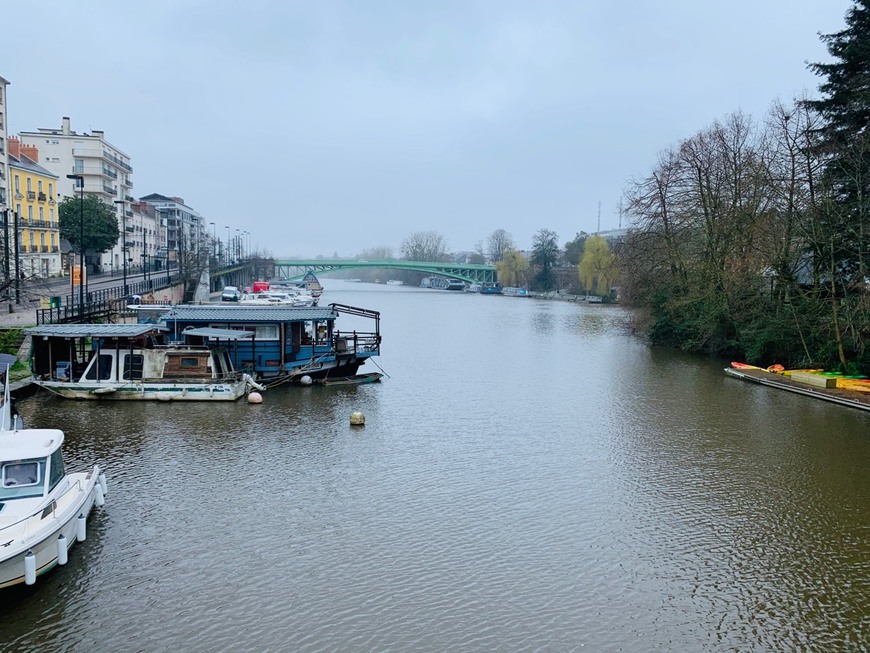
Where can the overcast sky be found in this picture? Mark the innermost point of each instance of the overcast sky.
(335, 126)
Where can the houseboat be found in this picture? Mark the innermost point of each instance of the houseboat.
(138, 362)
(288, 343)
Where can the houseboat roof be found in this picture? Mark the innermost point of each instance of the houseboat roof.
(94, 330)
(248, 314)
(221, 334)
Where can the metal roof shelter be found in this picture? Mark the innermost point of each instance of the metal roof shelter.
(94, 330)
(248, 314)
(220, 334)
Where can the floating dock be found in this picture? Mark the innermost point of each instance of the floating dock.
(850, 398)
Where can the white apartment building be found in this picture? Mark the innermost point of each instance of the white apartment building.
(106, 171)
(183, 229)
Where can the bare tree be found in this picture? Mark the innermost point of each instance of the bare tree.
(425, 246)
(497, 243)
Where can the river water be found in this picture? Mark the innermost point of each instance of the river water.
(531, 477)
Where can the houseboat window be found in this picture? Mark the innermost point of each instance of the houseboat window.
(189, 361)
(55, 470)
(133, 366)
(265, 331)
(22, 478)
(104, 364)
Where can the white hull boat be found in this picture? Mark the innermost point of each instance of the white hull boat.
(43, 509)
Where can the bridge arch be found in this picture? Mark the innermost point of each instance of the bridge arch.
(294, 269)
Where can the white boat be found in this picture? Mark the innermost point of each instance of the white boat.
(138, 362)
(43, 509)
(395, 282)
(295, 297)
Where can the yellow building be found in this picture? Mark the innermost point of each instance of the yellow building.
(33, 196)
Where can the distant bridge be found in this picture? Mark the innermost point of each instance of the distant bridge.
(295, 269)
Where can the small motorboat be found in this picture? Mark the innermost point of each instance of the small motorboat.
(355, 379)
(43, 509)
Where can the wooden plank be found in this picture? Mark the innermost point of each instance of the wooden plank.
(815, 380)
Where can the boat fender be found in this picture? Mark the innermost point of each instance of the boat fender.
(101, 479)
(306, 380)
(99, 497)
(29, 568)
(255, 398)
(61, 550)
(357, 419)
(81, 531)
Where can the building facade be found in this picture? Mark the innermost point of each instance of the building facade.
(34, 207)
(105, 169)
(183, 229)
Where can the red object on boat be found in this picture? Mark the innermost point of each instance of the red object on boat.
(260, 286)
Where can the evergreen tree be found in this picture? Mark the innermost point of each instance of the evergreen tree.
(100, 228)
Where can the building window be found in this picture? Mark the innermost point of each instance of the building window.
(50, 190)
(39, 185)
(29, 184)
(41, 214)
(79, 166)
(17, 187)
(30, 213)
(51, 215)
(18, 209)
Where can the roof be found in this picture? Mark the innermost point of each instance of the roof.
(221, 334)
(25, 163)
(29, 443)
(248, 314)
(93, 330)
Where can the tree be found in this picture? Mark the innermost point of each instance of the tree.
(498, 242)
(101, 230)
(574, 248)
(545, 255)
(598, 265)
(425, 246)
(379, 253)
(512, 269)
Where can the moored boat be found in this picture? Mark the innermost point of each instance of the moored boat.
(138, 362)
(43, 509)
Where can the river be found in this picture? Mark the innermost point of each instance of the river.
(531, 477)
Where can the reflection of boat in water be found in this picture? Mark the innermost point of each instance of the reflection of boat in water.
(44, 508)
(138, 362)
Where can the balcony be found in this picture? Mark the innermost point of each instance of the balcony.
(42, 197)
(108, 189)
(55, 249)
(128, 183)
(43, 248)
(116, 161)
(31, 195)
(111, 174)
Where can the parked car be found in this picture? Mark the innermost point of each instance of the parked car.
(230, 294)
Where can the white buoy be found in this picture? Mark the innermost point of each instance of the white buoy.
(101, 479)
(306, 380)
(29, 568)
(255, 398)
(81, 532)
(357, 419)
(61, 550)
(99, 497)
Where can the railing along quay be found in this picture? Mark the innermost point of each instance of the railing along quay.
(100, 304)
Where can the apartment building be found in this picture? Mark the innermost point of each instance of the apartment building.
(33, 193)
(183, 229)
(105, 169)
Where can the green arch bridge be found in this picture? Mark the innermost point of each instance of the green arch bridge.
(294, 269)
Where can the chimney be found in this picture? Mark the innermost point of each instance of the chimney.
(31, 152)
(65, 126)
(14, 146)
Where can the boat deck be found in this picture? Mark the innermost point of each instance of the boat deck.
(853, 399)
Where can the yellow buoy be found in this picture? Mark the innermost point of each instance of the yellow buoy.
(357, 419)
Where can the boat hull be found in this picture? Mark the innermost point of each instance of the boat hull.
(148, 391)
(40, 533)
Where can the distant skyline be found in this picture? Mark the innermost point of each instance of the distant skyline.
(334, 127)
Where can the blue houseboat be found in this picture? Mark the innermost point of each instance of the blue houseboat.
(289, 343)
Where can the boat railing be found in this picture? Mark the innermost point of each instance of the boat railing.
(356, 342)
(38, 515)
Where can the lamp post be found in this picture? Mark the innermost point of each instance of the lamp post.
(80, 180)
(124, 241)
(213, 241)
(228, 245)
(238, 253)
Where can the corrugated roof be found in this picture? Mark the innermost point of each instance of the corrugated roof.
(248, 314)
(94, 330)
(222, 334)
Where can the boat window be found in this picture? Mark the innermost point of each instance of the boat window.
(21, 478)
(189, 361)
(55, 469)
(104, 363)
(132, 366)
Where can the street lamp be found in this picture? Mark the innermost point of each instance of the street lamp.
(213, 241)
(80, 179)
(124, 241)
(228, 245)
